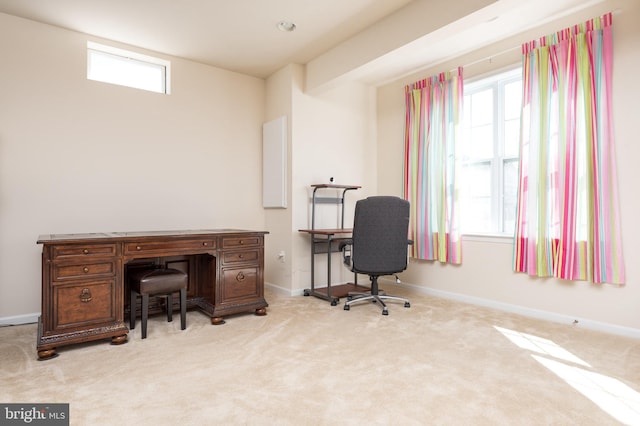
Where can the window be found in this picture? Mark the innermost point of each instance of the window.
(117, 66)
(489, 154)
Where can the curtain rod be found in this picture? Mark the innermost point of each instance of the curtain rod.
(490, 57)
(502, 52)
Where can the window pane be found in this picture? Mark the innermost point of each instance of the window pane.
(477, 215)
(478, 179)
(116, 66)
(511, 137)
(481, 142)
(482, 108)
(512, 100)
(476, 199)
(466, 112)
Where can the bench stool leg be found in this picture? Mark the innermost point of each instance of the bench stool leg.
(183, 308)
(132, 309)
(169, 307)
(145, 314)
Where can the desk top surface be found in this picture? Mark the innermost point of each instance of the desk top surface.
(327, 231)
(333, 185)
(52, 238)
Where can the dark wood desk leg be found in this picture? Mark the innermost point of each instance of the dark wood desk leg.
(217, 320)
(119, 340)
(261, 311)
(47, 354)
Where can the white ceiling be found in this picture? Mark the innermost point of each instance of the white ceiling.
(241, 35)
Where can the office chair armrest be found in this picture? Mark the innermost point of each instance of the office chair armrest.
(345, 243)
(346, 252)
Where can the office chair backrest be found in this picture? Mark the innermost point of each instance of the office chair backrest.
(380, 230)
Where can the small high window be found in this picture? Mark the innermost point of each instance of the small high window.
(118, 66)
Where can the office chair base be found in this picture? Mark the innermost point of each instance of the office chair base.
(376, 298)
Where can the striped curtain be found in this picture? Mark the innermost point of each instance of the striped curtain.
(433, 112)
(567, 223)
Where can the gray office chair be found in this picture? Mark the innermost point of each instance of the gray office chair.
(378, 245)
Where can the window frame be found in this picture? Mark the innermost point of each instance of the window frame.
(495, 80)
(137, 58)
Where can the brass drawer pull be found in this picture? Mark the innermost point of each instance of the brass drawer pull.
(138, 248)
(240, 277)
(85, 269)
(205, 244)
(85, 295)
(85, 251)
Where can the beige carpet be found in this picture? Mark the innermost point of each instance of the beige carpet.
(307, 363)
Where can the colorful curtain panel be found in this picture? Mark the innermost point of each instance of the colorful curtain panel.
(567, 219)
(433, 112)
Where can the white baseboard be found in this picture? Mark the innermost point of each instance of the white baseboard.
(19, 319)
(283, 291)
(530, 312)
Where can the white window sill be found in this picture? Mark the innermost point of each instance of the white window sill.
(485, 238)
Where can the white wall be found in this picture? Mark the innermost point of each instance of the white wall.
(334, 136)
(84, 156)
(331, 134)
(485, 275)
(278, 272)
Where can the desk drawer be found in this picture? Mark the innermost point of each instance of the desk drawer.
(231, 257)
(88, 250)
(239, 242)
(82, 305)
(239, 284)
(151, 247)
(84, 270)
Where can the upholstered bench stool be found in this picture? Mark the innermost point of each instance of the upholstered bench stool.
(155, 282)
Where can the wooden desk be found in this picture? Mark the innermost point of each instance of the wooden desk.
(84, 279)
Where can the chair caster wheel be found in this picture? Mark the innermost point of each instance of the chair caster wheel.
(306, 293)
(347, 307)
(407, 304)
(334, 302)
(385, 312)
